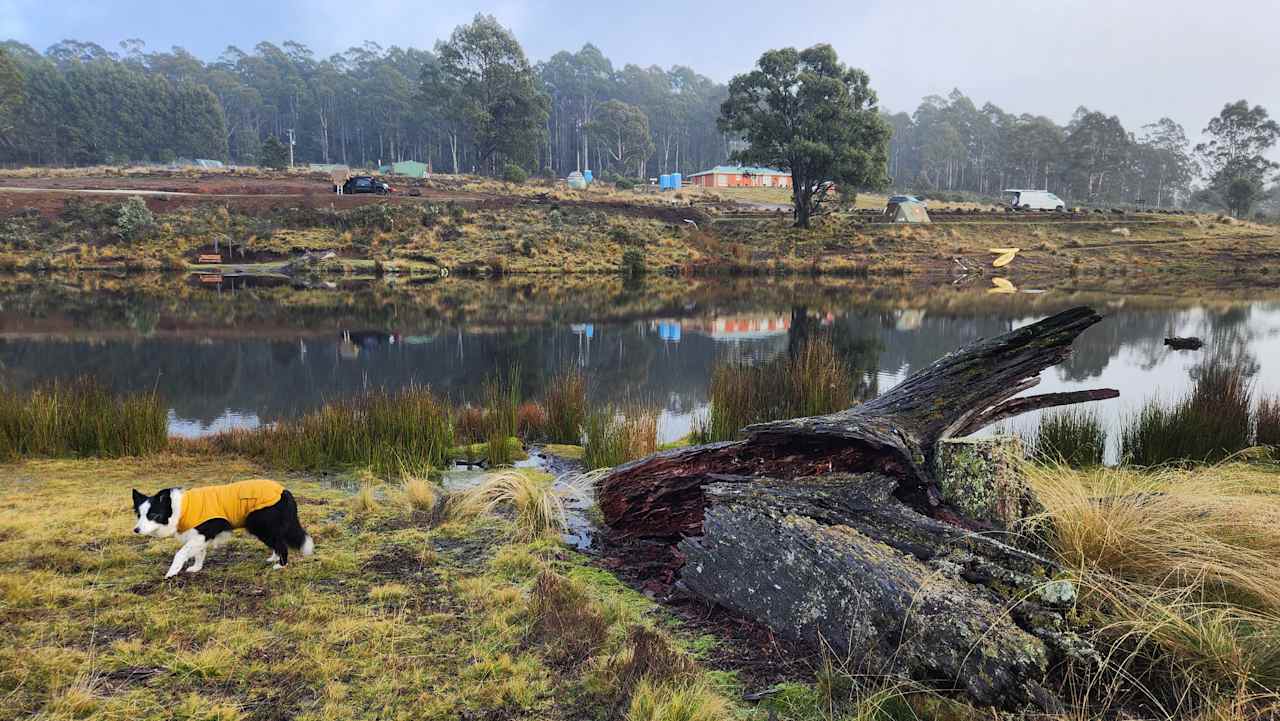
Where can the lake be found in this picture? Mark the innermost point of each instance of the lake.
(247, 352)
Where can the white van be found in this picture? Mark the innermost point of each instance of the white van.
(1034, 200)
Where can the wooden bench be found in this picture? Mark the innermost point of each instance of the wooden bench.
(210, 258)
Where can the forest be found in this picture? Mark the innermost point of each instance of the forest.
(475, 103)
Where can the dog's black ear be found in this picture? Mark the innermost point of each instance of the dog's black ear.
(138, 498)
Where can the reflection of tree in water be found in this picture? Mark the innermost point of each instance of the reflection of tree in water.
(860, 351)
(1142, 331)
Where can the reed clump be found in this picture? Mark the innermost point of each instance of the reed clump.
(1074, 437)
(812, 380)
(566, 405)
(501, 415)
(388, 432)
(538, 507)
(1207, 425)
(1267, 422)
(80, 418)
(618, 435)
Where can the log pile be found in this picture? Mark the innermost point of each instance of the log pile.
(836, 530)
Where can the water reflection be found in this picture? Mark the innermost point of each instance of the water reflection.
(265, 357)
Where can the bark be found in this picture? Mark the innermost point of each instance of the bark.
(834, 530)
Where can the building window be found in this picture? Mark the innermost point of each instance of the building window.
(722, 181)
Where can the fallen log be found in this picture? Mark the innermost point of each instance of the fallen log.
(834, 530)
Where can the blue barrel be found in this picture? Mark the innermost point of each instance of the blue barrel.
(675, 180)
(586, 174)
(664, 182)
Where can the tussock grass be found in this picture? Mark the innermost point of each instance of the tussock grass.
(676, 702)
(419, 493)
(813, 380)
(566, 403)
(365, 501)
(616, 436)
(1267, 422)
(566, 621)
(539, 509)
(389, 432)
(1178, 570)
(1209, 424)
(80, 418)
(1074, 437)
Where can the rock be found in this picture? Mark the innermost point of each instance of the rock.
(981, 478)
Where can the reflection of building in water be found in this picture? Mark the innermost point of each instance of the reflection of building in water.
(740, 327)
(585, 332)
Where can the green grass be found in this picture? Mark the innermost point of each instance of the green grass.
(811, 381)
(566, 404)
(388, 432)
(1210, 423)
(618, 435)
(1075, 437)
(502, 415)
(80, 418)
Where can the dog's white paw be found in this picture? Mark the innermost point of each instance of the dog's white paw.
(193, 569)
(277, 567)
(273, 558)
(171, 574)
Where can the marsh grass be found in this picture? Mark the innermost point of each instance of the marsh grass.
(1178, 570)
(691, 701)
(80, 418)
(618, 435)
(566, 404)
(1267, 422)
(1075, 437)
(538, 507)
(420, 494)
(501, 415)
(1207, 425)
(813, 380)
(566, 620)
(389, 432)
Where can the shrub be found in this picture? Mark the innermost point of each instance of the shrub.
(625, 184)
(390, 432)
(566, 402)
(531, 421)
(513, 173)
(811, 381)
(1210, 423)
(80, 417)
(633, 262)
(133, 219)
(617, 436)
(1074, 437)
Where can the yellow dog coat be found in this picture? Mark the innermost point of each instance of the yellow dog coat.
(233, 502)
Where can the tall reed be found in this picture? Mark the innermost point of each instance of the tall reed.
(1075, 437)
(1267, 422)
(812, 380)
(80, 417)
(566, 404)
(502, 414)
(389, 432)
(1210, 423)
(617, 435)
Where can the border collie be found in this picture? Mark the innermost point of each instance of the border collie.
(203, 518)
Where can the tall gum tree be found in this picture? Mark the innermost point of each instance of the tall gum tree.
(805, 112)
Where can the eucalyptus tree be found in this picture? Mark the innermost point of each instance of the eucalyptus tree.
(622, 130)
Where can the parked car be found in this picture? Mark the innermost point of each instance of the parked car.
(1035, 200)
(366, 184)
(907, 199)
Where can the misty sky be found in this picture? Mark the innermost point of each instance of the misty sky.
(1136, 59)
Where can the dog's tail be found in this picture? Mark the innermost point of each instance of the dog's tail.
(294, 534)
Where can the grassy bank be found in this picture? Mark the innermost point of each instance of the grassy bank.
(483, 227)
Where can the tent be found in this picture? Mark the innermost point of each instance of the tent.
(907, 212)
(407, 168)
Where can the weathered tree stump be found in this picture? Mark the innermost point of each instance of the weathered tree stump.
(838, 530)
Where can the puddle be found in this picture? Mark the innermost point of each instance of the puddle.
(578, 497)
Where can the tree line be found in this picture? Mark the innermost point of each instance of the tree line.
(473, 103)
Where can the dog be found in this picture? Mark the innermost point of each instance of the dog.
(203, 518)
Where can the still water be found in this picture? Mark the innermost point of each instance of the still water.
(248, 355)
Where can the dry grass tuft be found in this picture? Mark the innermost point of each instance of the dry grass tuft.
(565, 619)
(420, 494)
(364, 501)
(539, 509)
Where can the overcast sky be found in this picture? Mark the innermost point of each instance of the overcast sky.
(1139, 59)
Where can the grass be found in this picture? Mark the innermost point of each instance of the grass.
(811, 381)
(80, 418)
(1176, 569)
(392, 618)
(1074, 437)
(389, 432)
(566, 404)
(538, 507)
(1207, 425)
(616, 436)
(502, 415)
(1267, 422)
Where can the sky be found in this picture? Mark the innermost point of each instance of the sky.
(1138, 59)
